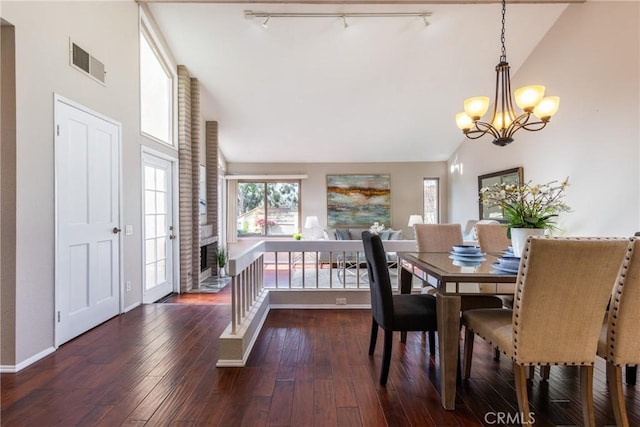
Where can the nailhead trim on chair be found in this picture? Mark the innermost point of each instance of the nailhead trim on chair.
(613, 311)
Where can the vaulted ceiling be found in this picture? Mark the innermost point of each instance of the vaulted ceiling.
(311, 90)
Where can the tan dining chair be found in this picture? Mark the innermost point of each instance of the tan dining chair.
(562, 292)
(441, 238)
(619, 344)
(492, 238)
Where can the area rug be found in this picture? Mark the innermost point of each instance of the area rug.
(211, 285)
(328, 278)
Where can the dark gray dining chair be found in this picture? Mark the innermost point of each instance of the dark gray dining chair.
(399, 312)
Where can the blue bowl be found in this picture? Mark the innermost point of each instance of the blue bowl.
(466, 249)
(510, 262)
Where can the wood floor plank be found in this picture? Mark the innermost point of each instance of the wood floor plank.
(348, 417)
(128, 402)
(303, 401)
(324, 403)
(281, 404)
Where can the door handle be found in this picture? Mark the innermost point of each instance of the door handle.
(116, 230)
(172, 236)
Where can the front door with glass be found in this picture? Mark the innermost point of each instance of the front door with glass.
(159, 233)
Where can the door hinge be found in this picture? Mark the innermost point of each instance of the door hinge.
(58, 130)
(58, 317)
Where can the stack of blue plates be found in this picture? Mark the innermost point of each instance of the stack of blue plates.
(508, 264)
(508, 251)
(466, 255)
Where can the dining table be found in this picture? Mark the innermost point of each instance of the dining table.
(453, 277)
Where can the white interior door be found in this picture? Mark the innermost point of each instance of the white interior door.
(87, 171)
(159, 235)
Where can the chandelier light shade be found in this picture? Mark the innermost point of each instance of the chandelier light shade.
(537, 109)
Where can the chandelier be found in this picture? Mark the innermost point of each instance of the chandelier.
(505, 121)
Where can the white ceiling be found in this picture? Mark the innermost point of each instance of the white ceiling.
(309, 90)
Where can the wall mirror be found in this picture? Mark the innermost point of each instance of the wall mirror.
(509, 176)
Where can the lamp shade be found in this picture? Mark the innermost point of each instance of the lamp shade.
(463, 121)
(529, 96)
(547, 107)
(311, 222)
(476, 107)
(415, 219)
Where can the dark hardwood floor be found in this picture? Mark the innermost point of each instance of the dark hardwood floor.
(156, 366)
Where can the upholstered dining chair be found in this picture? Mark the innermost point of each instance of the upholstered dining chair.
(618, 343)
(400, 312)
(492, 238)
(567, 283)
(440, 238)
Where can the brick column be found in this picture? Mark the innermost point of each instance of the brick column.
(195, 180)
(211, 136)
(185, 179)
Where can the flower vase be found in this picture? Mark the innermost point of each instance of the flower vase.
(519, 238)
(222, 272)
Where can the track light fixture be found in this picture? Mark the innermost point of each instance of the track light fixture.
(250, 14)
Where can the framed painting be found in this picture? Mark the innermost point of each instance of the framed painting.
(358, 200)
(510, 176)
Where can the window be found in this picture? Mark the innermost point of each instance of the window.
(431, 194)
(156, 89)
(268, 208)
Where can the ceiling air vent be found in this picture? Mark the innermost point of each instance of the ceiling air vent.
(86, 63)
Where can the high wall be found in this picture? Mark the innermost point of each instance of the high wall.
(109, 31)
(590, 58)
(406, 185)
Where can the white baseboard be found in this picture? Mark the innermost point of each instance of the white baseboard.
(319, 306)
(12, 369)
(131, 307)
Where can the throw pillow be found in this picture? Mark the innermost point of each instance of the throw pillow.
(396, 235)
(342, 234)
(329, 234)
(385, 234)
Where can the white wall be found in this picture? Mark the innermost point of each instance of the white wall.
(406, 185)
(109, 31)
(590, 58)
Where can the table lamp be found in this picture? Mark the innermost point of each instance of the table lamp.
(312, 223)
(415, 219)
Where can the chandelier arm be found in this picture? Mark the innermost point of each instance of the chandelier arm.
(535, 126)
(487, 128)
(495, 98)
(507, 92)
(522, 119)
(470, 133)
(530, 126)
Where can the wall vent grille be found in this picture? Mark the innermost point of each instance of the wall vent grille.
(86, 63)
